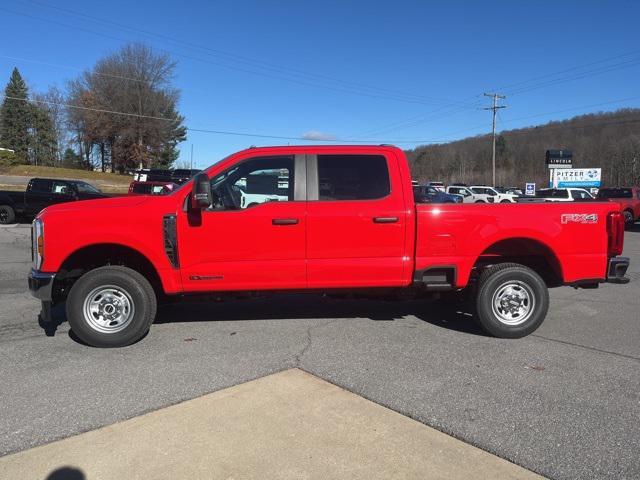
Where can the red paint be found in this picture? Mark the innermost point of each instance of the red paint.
(334, 244)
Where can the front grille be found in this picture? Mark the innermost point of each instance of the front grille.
(169, 230)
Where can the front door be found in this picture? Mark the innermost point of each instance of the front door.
(356, 222)
(253, 237)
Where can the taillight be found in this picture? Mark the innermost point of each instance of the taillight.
(615, 232)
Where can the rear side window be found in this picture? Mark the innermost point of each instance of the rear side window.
(353, 177)
(41, 186)
(615, 193)
(144, 188)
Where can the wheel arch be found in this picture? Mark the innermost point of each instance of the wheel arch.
(90, 257)
(537, 255)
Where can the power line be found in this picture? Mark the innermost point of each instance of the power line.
(411, 122)
(289, 76)
(238, 58)
(219, 132)
(542, 114)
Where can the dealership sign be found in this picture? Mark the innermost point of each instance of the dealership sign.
(577, 177)
(559, 158)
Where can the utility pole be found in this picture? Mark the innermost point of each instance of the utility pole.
(495, 108)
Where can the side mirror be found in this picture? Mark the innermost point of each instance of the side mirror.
(201, 196)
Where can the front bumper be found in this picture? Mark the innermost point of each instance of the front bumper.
(616, 270)
(41, 285)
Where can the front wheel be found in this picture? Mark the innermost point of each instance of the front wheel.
(111, 306)
(479, 201)
(512, 300)
(505, 201)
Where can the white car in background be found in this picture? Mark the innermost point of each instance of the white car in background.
(563, 194)
(468, 195)
(497, 196)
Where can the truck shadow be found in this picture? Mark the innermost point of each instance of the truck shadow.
(311, 306)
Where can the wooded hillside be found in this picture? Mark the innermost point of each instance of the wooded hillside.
(607, 140)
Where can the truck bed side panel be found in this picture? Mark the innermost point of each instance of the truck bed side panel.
(458, 234)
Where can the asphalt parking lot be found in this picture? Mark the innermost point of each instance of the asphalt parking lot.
(564, 402)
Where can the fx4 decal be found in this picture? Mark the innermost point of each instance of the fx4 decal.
(578, 218)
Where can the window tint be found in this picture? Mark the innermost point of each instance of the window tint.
(353, 177)
(250, 183)
(144, 188)
(86, 188)
(41, 186)
(580, 194)
(552, 193)
(615, 193)
(61, 188)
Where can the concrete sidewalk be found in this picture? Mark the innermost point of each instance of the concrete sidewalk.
(290, 425)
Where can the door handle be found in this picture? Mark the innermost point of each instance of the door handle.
(385, 219)
(284, 221)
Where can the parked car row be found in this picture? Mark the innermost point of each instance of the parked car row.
(437, 192)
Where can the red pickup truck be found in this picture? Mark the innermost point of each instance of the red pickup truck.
(628, 198)
(344, 219)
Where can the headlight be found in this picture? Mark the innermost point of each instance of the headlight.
(37, 243)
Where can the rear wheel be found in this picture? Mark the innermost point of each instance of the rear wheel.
(111, 307)
(7, 214)
(512, 300)
(505, 201)
(628, 218)
(479, 201)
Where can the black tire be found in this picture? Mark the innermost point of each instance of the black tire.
(7, 214)
(479, 201)
(628, 218)
(140, 297)
(505, 201)
(525, 284)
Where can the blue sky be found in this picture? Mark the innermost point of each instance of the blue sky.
(387, 72)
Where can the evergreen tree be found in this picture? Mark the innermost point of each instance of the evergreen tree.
(43, 140)
(15, 118)
(71, 159)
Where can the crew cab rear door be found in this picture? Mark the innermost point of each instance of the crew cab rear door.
(38, 195)
(356, 220)
(236, 245)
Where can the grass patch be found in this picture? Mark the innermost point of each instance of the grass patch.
(69, 173)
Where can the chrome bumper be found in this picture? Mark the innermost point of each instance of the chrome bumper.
(41, 285)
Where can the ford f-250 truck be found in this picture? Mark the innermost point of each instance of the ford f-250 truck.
(357, 229)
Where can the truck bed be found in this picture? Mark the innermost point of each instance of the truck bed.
(461, 234)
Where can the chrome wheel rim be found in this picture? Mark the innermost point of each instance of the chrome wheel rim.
(108, 309)
(4, 215)
(513, 302)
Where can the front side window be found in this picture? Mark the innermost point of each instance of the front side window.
(61, 188)
(353, 177)
(256, 181)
